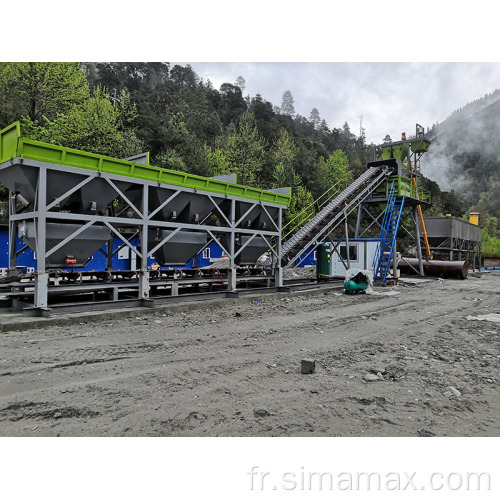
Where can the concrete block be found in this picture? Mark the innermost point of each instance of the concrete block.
(308, 366)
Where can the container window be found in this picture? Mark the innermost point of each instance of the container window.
(353, 252)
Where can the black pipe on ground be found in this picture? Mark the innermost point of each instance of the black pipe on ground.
(458, 269)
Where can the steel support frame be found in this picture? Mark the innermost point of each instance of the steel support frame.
(466, 249)
(43, 212)
(336, 221)
(335, 247)
(375, 220)
(12, 235)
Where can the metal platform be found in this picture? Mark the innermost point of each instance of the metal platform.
(65, 204)
(102, 296)
(90, 294)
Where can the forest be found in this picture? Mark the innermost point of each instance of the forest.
(122, 109)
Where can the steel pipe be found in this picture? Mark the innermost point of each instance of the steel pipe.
(443, 268)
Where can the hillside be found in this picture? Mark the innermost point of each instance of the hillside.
(121, 109)
(465, 156)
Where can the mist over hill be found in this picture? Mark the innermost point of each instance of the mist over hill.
(465, 154)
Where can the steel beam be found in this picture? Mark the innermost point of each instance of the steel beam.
(41, 278)
(45, 210)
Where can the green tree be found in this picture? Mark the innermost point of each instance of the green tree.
(245, 151)
(323, 126)
(314, 118)
(490, 237)
(41, 89)
(217, 162)
(138, 78)
(240, 82)
(287, 104)
(184, 77)
(94, 125)
(491, 199)
(125, 107)
(283, 148)
(201, 117)
(179, 148)
(283, 152)
(300, 209)
(232, 104)
(333, 170)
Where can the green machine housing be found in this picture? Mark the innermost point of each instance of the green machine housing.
(395, 154)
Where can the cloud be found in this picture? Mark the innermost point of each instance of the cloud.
(391, 97)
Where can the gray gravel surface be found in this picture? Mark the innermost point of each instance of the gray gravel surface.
(409, 364)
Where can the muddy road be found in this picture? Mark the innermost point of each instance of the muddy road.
(403, 364)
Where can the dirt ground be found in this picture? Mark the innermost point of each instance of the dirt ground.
(407, 364)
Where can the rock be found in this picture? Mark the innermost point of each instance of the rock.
(425, 433)
(314, 391)
(378, 369)
(58, 414)
(380, 376)
(261, 412)
(452, 391)
(443, 357)
(308, 366)
(371, 377)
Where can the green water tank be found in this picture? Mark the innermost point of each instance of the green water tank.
(323, 258)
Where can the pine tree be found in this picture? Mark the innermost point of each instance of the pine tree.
(314, 118)
(244, 151)
(287, 104)
(240, 82)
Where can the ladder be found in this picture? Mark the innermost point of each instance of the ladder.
(332, 214)
(388, 234)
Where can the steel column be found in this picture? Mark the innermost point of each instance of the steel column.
(41, 278)
(12, 235)
(144, 287)
(278, 270)
(231, 278)
(418, 242)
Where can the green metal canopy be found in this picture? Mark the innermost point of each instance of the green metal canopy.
(13, 145)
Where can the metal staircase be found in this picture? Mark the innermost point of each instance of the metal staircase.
(329, 217)
(388, 234)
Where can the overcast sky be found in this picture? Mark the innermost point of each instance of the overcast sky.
(391, 97)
